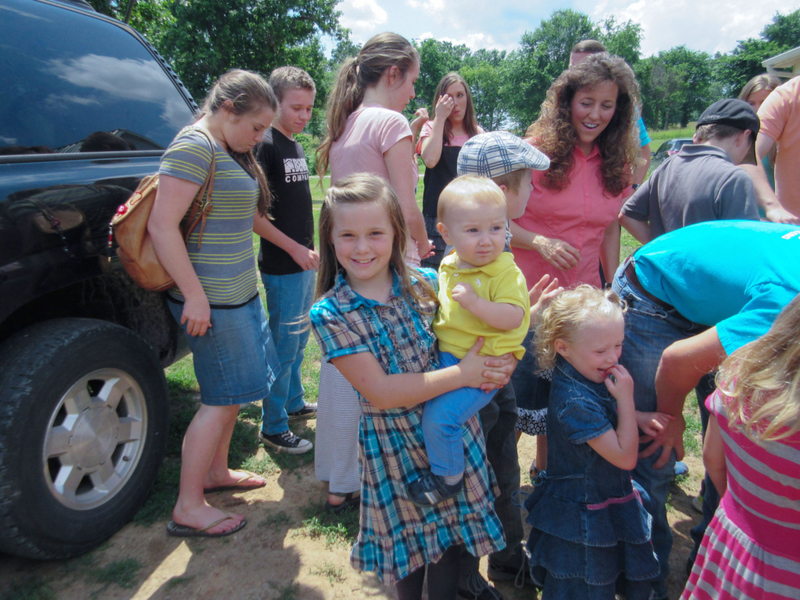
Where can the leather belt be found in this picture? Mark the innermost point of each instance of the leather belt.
(630, 273)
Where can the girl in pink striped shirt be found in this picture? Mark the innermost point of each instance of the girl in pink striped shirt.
(752, 454)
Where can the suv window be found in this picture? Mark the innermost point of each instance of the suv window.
(74, 84)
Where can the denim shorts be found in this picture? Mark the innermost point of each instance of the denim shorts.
(235, 362)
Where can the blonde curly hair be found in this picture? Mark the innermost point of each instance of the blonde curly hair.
(567, 313)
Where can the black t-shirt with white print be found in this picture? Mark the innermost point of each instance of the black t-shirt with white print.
(284, 164)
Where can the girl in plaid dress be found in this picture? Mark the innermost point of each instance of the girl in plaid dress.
(373, 322)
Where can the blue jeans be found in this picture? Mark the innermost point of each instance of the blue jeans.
(289, 300)
(443, 421)
(649, 330)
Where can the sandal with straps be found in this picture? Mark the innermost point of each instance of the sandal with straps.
(351, 500)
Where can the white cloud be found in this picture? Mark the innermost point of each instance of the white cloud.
(364, 18)
(711, 26)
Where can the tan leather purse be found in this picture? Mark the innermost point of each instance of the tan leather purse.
(129, 227)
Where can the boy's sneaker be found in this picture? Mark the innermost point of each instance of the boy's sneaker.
(309, 411)
(431, 489)
(286, 442)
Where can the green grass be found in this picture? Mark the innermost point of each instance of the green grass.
(659, 137)
(31, 588)
(286, 592)
(120, 572)
(331, 572)
(334, 529)
(276, 520)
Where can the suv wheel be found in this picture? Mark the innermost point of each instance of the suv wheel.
(83, 421)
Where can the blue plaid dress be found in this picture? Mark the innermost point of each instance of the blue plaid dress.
(396, 537)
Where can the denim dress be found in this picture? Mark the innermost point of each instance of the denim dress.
(590, 534)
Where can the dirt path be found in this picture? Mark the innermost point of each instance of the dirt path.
(282, 554)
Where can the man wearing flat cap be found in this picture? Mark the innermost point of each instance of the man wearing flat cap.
(702, 182)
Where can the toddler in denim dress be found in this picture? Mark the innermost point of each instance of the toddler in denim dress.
(590, 536)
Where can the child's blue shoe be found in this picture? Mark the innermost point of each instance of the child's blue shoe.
(681, 468)
(431, 489)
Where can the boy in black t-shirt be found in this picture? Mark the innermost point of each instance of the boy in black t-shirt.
(287, 259)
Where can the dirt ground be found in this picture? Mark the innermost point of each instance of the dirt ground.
(280, 555)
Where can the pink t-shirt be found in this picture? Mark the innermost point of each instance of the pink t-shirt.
(780, 120)
(455, 140)
(578, 215)
(370, 132)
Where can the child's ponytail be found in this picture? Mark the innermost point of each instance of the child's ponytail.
(381, 52)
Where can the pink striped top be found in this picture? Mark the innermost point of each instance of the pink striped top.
(763, 497)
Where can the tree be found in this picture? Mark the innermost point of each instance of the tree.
(622, 39)
(784, 30)
(675, 86)
(485, 74)
(733, 71)
(437, 59)
(542, 56)
(207, 38)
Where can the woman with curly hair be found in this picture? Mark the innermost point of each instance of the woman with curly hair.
(587, 128)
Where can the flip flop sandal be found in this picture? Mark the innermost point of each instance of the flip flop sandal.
(177, 530)
(238, 485)
(351, 500)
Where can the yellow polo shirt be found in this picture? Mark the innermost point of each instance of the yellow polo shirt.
(457, 329)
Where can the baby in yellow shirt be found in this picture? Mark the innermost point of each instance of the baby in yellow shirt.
(482, 293)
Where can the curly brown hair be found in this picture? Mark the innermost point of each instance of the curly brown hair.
(554, 134)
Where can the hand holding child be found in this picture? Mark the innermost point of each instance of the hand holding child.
(486, 372)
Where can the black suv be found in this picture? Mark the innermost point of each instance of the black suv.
(87, 107)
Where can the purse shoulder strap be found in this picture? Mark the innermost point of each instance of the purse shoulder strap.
(201, 205)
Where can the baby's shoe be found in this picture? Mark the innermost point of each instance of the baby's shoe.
(431, 489)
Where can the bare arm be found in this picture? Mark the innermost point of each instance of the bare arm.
(714, 456)
(619, 446)
(638, 229)
(385, 391)
(397, 163)
(420, 118)
(680, 369)
(173, 198)
(765, 196)
(556, 252)
(500, 315)
(432, 145)
(306, 258)
(640, 172)
(609, 250)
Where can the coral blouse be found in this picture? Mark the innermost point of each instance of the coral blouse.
(578, 215)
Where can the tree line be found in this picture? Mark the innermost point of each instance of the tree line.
(203, 39)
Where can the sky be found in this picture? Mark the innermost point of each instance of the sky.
(706, 25)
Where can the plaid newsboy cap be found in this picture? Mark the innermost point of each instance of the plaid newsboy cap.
(498, 153)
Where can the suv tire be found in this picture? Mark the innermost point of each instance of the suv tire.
(84, 415)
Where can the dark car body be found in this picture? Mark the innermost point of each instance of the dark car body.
(667, 149)
(87, 108)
